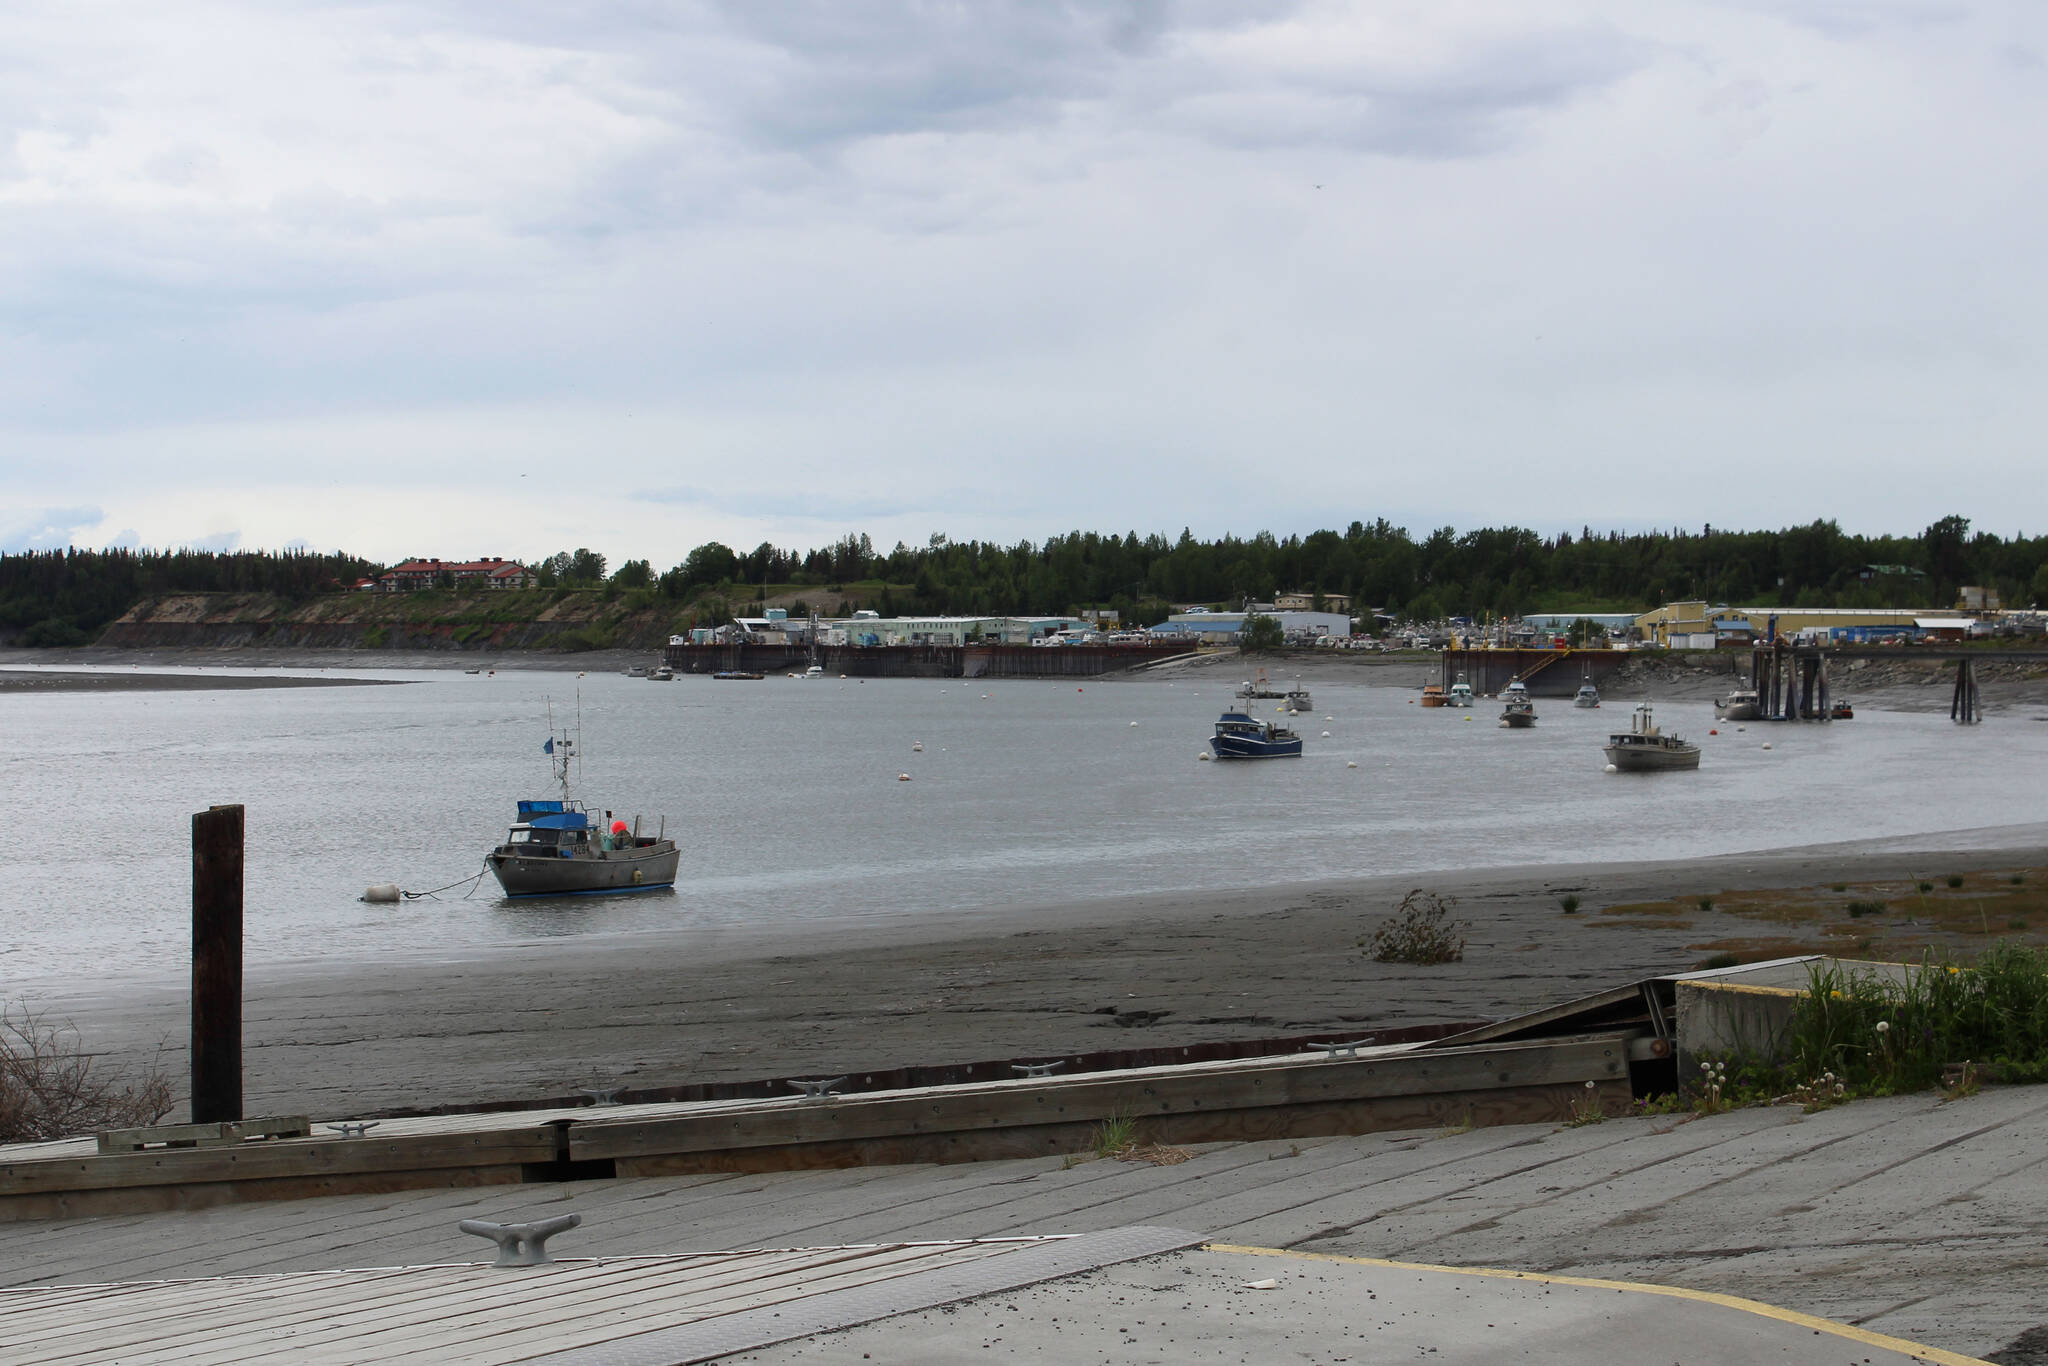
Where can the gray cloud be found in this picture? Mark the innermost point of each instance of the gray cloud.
(345, 274)
(44, 528)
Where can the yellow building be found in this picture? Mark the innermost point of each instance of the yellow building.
(1694, 625)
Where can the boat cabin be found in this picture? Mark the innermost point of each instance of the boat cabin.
(563, 826)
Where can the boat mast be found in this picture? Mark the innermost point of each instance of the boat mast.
(565, 748)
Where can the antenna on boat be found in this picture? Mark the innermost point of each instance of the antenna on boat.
(563, 748)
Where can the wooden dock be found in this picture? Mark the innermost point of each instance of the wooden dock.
(1350, 1090)
(575, 1312)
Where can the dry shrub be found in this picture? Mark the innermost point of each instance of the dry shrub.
(1420, 931)
(49, 1087)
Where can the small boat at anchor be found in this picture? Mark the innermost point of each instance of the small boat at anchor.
(1841, 711)
(730, 674)
(1298, 700)
(1743, 704)
(1643, 748)
(1587, 695)
(556, 848)
(1517, 711)
(1239, 736)
(1433, 695)
(1460, 694)
(1256, 687)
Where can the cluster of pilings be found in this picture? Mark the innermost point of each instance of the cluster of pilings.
(1791, 684)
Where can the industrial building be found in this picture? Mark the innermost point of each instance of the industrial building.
(1702, 626)
(1218, 627)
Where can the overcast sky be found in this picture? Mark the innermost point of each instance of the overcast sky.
(465, 277)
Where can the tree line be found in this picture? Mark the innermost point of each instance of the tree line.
(1506, 571)
(61, 597)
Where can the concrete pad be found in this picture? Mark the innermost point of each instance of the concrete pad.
(1225, 1304)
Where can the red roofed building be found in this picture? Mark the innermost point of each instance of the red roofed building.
(490, 572)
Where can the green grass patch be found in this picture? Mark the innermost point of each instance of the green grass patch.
(1882, 1035)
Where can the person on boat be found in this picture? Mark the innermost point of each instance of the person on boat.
(617, 838)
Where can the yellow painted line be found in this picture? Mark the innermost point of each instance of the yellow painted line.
(1745, 989)
(1936, 1355)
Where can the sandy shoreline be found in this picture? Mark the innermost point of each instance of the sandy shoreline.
(546, 1019)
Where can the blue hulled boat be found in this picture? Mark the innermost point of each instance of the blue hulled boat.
(1242, 737)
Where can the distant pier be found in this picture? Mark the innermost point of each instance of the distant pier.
(920, 661)
(1546, 673)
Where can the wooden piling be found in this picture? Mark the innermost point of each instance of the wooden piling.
(1966, 707)
(217, 965)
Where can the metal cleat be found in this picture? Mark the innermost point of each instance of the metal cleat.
(819, 1090)
(1037, 1069)
(602, 1095)
(521, 1244)
(354, 1130)
(1341, 1050)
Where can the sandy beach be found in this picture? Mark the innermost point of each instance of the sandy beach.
(540, 1020)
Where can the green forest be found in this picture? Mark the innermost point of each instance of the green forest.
(63, 597)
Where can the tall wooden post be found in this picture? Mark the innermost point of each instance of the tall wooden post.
(217, 965)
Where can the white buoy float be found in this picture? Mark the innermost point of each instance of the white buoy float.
(1203, 756)
(903, 777)
(1134, 723)
(1767, 744)
(1612, 769)
(1326, 735)
(1351, 765)
(381, 892)
(917, 746)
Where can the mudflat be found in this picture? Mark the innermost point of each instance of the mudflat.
(50, 680)
(545, 1019)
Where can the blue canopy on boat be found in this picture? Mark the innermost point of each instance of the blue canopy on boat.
(561, 820)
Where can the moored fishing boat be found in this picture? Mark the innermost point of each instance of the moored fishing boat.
(1239, 736)
(1297, 699)
(1518, 712)
(1433, 695)
(1742, 704)
(1587, 695)
(555, 848)
(1643, 748)
(1460, 694)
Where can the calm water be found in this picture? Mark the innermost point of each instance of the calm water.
(784, 798)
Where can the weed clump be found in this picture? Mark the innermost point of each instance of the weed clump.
(49, 1089)
(1955, 880)
(1568, 903)
(1420, 931)
(1718, 960)
(1881, 1035)
(1706, 905)
(1859, 909)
